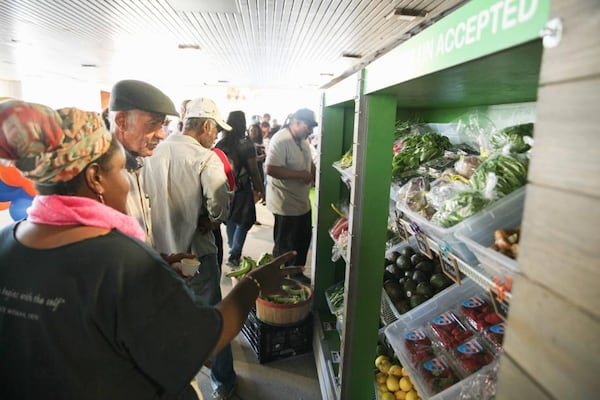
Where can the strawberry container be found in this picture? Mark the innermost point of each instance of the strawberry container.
(471, 356)
(449, 330)
(495, 335)
(437, 374)
(479, 313)
(418, 345)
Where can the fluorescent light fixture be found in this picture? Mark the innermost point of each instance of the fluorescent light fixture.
(406, 14)
(225, 6)
(188, 46)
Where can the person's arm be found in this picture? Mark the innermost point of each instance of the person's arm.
(215, 190)
(236, 305)
(286, 173)
(257, 183)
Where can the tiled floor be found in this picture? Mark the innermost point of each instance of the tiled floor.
(293, 378)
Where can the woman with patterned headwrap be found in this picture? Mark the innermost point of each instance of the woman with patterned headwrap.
(87, 309)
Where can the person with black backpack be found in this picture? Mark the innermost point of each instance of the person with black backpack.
(242, 156)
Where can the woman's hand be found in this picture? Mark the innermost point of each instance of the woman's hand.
(176, 257)
(270, 276)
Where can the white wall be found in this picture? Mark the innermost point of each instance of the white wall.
(10, 89)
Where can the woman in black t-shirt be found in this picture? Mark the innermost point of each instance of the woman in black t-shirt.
(88, 310)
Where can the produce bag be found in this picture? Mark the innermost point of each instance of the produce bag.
(476, 129)
(504, 172)
(514, 139)
(417, 149)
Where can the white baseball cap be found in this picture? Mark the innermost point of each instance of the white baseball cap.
(203, 107)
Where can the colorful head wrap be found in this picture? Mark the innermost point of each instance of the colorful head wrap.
(50, 146)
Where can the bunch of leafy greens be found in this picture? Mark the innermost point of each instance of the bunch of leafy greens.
(417, 149)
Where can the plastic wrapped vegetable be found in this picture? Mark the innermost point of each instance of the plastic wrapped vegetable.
(509, 171)
(466, 165)
(462, 205)
(417, 149)
(518, 138)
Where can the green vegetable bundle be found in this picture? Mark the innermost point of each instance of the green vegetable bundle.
(417, 149)
(459, 207)
(293, 295)
(510, 172)
(513, 136)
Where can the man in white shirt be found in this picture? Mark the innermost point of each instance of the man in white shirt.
(291, 175)
(190, 196)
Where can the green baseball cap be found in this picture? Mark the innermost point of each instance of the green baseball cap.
(131, 94)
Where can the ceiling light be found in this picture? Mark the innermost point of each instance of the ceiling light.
(226, 6)
(406, 14)
(188, 46)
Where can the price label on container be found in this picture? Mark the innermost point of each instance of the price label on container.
(406, 232)
(423, 245)
(449, 266)
(500, 302)
(401, 229)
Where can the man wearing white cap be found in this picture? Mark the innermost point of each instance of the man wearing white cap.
(189, 197)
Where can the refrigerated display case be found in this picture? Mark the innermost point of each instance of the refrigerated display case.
(484, 59)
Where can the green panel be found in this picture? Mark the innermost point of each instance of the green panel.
(477, 29)
(368, 226)
(335, 132)
(510, 76)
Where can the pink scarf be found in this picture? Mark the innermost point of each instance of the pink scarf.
(75, 210)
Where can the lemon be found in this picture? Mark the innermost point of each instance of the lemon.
(395, 370)
(380, 377)
(412, 395)
(404, 372)
(385, 366)
(381, 359)
(400, 395)
(392, 383)
(405, 384)
(382, 388)
(387, 396)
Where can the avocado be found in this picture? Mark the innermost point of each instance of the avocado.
(387, 275)
(410, 286)
(437, 267)
(393, 256)
(394, 291)
(402, 306)
(416, 300)
(425, 289)
(404, 263)
(425, 266)
(419, 276)
(417, 258)
(395, 271)
(439, 282)
(407, 251)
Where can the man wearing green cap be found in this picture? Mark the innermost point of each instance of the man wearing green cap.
(137, 113)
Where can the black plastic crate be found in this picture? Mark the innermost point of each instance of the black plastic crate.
(270, 342)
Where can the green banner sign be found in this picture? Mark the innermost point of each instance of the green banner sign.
(479, 28)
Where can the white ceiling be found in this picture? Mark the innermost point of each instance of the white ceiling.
(262, 44)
